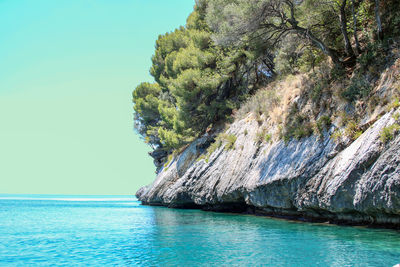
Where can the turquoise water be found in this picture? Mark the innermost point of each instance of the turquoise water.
(60, 230)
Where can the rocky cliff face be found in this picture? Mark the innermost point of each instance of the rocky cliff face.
(311, 178)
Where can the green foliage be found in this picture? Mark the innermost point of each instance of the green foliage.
(169, 159)
(337, 135)
(147, 101)
(352, 130)
(388, 132)
(287, 58)
(230, 141)
(338, 73)
(263, 136)
(365, 12)
(260, 136)
(269, 22)
(310, 58)
(323, 123)
(214, 146)
(197, 84)
(357, 134)
(372, 56)
(268, 137)
(359, 88)
(396, 116)
(300, 132)
(169, 138)
(317, 89)
(201, 157)
(344, 118)
(297, 126)
(228, 49)
(394, 104)
(295, 56)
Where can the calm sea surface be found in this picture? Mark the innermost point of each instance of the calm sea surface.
(87, 230)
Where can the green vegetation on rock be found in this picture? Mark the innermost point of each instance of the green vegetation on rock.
(230, 51)
(388, 132)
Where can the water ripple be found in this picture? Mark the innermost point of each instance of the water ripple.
(118, 231)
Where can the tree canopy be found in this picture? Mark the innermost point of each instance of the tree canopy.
(229, 48)
(196, 83)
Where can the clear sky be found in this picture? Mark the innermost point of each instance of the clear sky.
(67, 71)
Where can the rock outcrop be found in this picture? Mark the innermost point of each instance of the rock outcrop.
(312, 178)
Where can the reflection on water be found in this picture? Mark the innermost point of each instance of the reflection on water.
(119, 231)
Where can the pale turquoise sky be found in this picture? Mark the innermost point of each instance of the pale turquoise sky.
(67, 70)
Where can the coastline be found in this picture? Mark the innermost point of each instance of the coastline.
(311, 179)
(296, 217)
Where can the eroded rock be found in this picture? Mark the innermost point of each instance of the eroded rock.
(308, 178)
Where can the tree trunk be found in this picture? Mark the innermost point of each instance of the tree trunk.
(343, 28)
(358, 49)
(318, 43)
(378, 20)
(309, 35)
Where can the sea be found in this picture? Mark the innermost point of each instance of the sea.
(50, 230)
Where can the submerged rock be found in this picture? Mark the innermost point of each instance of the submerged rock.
(312, 178)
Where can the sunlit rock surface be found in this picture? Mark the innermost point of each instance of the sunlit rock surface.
(312, 178)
